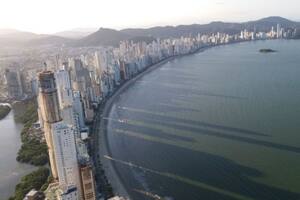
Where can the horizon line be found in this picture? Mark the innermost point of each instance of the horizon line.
(137, 27)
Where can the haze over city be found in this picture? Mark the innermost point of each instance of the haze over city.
(149, 100)
(50, 16)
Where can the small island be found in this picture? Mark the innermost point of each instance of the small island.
(267, 51)
(4, 110)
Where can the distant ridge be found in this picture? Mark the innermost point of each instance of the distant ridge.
(111, 37)
(76, 33)
(51, 40)
(103, 36)
(264, 24)
(106, 37)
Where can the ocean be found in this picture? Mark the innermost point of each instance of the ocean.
(216, 125)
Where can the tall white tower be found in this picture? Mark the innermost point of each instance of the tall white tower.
(278, 31)
(66, 155)
(49, 112)
(60, 137)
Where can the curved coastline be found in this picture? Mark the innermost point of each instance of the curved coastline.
(100, 127)
(104, 150)
(109, 167)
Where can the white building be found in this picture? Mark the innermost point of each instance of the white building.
(63, 84)
(278, 31)
(66, 155)
(78, 108)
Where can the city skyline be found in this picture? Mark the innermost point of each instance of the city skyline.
(55, 16)
(70, 98)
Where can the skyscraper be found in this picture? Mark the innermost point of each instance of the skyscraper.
(65, 155)
(14, 83)
(88, 182)
(64, 88)
(278, 31)
(79, 110)
(50, 113)
(60, 136)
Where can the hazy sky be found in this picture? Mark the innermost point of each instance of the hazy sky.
(49, 16)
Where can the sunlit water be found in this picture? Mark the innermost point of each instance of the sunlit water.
(221, 124)
(10, 170)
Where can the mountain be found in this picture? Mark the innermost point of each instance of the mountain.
(15, 38)
(103, 36)
(110, 37)
(275, 20)
(185, 30)
(113, 37)
(7, 31)
(76, 33)
(264, 24)
(49, 40)
(16, 35)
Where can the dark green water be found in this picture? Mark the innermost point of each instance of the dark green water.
(221, 124)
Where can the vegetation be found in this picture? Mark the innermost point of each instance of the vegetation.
(267, 51)
(35, 180)
(32, 150)
(26, 111)
(45, 186)
(4, 110)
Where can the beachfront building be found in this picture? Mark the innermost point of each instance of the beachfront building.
(66, 156)
(59, 135)
(49, 112)
(68, 97)
(63, 117)
(88, 184)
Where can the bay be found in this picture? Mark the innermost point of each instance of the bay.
(220, 124)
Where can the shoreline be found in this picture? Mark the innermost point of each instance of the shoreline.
(17, 170)
(4, 110)
(35, 162)
(100, 126)
(100, 131)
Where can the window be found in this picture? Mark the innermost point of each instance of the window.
(88, 186)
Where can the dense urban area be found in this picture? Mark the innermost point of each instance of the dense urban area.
(64, 95)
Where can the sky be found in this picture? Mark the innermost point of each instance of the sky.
(50, 16)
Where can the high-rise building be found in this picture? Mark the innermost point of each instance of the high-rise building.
(98, 65)
(123, 74)
(79, 109)
(14, 83)
(66, 155)
(50, 112)
(64, 88)
(60, 136)
(278, 33)
(88, 184)
(34, 87)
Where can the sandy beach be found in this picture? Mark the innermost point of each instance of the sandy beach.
(100, 127)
